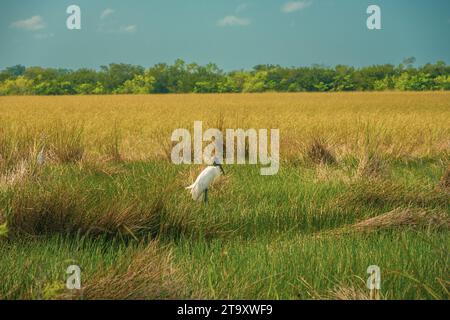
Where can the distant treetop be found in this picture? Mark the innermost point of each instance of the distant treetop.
(181, 77)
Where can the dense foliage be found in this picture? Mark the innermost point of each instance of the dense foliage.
(181, 77)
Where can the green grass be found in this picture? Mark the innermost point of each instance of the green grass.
(411, 264)
(29, 266)
(258, 237)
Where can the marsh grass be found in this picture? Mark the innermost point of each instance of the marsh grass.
(111, 145)
(17, 145)
(383, 193)
(66, 202)
(343, 292)
(371, 166)
(161, 138)
(319, 153)
(444, 182)
(256, 249)
(406, 218)
(3, 229)
(147, 273)
(66, 142)
(362, 182)
(110, 269)
(305, 267)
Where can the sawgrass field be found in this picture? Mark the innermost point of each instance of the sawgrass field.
(364, 180)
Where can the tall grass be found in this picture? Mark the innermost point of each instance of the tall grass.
(413, 266)
(65, 200)
(110, 269)
(66, 142)
(363, 181)
(400, 125)
(147, 273)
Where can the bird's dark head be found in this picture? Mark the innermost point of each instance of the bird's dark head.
(217, 164)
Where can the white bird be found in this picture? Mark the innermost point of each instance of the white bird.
(204, 180)
(41, 157)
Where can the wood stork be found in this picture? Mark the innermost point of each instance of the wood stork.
(204, 180)
(40, 159)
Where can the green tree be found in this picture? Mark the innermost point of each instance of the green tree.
(17, 86)
(140, 84)
(256, 82)
(116, 74)
(417, 82)
(383, 84)
(12, 72)
(54, 88)
(442, 82)
(182, 77)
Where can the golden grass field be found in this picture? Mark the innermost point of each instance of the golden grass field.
(399, 124)
(364, 179)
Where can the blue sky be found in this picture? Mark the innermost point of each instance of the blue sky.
(234, 34)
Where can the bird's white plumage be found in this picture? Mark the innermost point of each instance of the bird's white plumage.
(41, 157)
(203, 181)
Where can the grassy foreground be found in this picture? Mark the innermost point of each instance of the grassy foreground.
(364, 180)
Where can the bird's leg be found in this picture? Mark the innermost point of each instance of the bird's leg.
(206, 196)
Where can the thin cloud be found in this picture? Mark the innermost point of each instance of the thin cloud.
(103, 28)
(233, 21)
(292, 6)
(111, 25)
(106, 12)
(32, 24)
(129, 29)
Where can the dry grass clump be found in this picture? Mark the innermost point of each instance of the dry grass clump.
(400, 218)
(66, 142)
(145, 275)
(319, 153)
(111, 145)
(56, 143)
(221, 183)
(444, 183)
(17, 144)
(53, 207)
(89, 205)
(344, 292)
(383, 192)
(15, 175)
(99, 165)
(371, 166)
(324, 173)
(340, 291)
(162, 139)
(405, 218)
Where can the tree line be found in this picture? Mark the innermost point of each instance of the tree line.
(181, 77)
